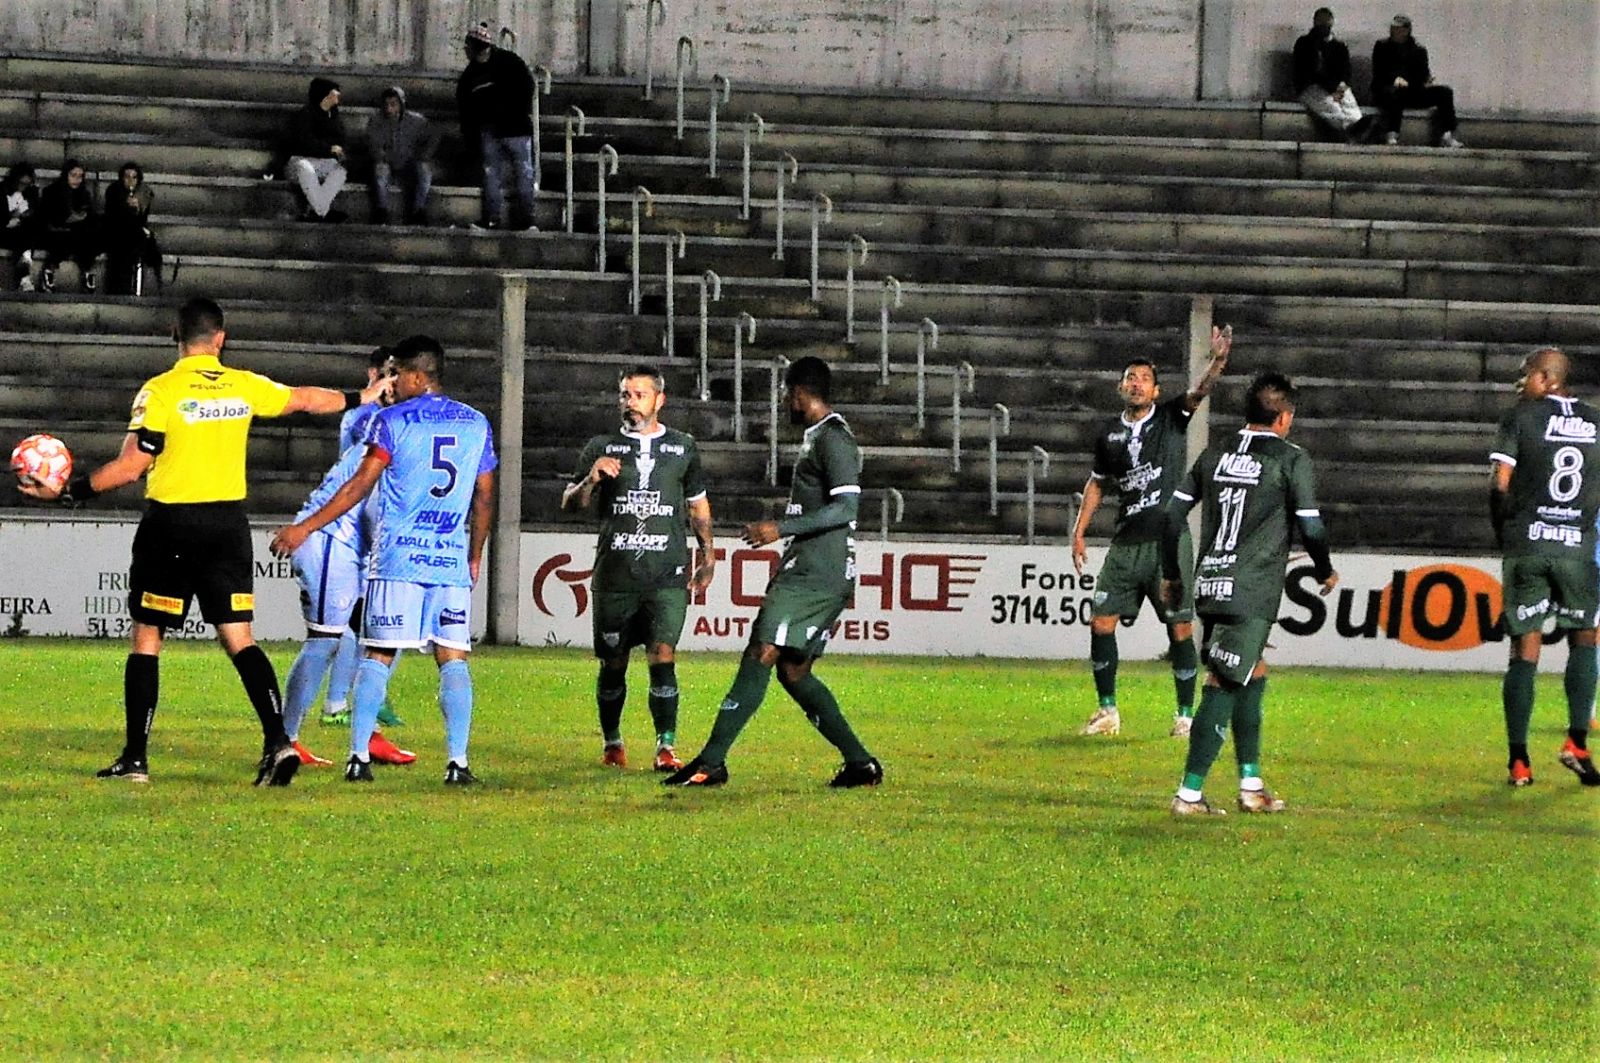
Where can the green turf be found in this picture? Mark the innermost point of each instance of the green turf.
(1013, 891)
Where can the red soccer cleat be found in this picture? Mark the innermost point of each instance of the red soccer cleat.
(384, 751)
(615, 756)
(310, 759)
(667, 759)
(1580, 763)
(1521, 774)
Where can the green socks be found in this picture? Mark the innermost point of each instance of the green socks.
(822, 709)
(1247, 726)
(1516, 694)
(1580, 683)
(1103, 656)
(749, 688)
(664, 701)
(1217, 709)
(610, 694)
(1185, 669)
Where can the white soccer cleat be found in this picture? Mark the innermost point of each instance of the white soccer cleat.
(1105, 721)
(1259, 801)
(1202, 807)
(1180, 726)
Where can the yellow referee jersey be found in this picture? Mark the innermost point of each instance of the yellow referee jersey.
(202, 409)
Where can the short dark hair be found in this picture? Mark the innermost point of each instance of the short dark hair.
(1147, 363)
(476, 48)
(199, 320)
(1319, 12)
(811, 373)
(422, 354)
(644, 369)
(1269, 395)
(380, 357)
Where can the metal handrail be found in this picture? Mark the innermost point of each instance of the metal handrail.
(739, 326)
(679, 243)
(789, 165)
(500, 38)
(955, 410)
(1043, 461)
(660, 9)
(821, 211)
(710, 291)
(542, 82)
(761, 134)
(606, 154)
(572, 112)
(999, 425)
(856, 241)
(927, 338)
(890, 494)
(711, 124)
(890, 283)
(774, 389)
(639, 192)
(694, 61)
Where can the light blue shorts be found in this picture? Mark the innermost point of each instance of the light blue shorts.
(331, 582)
(403, 616)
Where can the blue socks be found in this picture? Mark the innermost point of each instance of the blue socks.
(343, 676)
(305, 679)
(455, 701)
(372, 686)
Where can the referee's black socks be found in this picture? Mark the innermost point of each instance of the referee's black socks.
(141, 679)
(261, 686)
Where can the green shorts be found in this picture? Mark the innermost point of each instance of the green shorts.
(625, 619)
(798, 618)
(1132, 573)
(1232, 645)
(1535, 588)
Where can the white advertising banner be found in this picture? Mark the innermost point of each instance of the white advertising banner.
(71, 578)
(1389, 611)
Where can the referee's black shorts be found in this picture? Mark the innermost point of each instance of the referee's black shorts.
(198, 550)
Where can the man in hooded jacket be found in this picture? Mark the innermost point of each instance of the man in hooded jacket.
(316, 150)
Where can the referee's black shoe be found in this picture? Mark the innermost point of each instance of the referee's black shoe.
(127, 769)
(867, 773)
(278, 765)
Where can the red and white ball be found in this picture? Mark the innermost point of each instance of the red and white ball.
(42, 459)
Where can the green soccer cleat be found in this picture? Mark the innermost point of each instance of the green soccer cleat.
(387, 718)
(336, 719)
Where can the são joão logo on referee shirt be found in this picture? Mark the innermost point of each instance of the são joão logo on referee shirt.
(194, 411)
(1436, 607)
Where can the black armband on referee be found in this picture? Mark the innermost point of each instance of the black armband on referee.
(352, 399)
(78, 489)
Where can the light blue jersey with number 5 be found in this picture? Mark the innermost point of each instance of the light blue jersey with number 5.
(435, 448)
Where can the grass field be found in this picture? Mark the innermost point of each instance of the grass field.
(1013, 891)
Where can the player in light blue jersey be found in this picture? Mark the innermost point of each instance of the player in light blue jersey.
(432, 462)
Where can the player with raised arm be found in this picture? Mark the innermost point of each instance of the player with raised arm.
(189, 430)
(1544, 494)
(1253, 490)
(1138, 458)
(432, 461)
(812, 586)
(645, 478)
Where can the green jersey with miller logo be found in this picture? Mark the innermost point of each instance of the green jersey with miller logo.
(1551, 447)
(828, 467)
(1140, 462)
(643, 511)
(1251, 493)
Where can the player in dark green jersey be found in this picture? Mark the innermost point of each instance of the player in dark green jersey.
(814, 582)
(1253, 489)
(646, 478)
(1138, 458)
(1543, 498)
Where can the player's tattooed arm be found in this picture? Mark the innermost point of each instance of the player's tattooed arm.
(1091, 502)
(1175, 519)
(578, 495)
(482, 519)
(700, 523)
(1499, 491)
(1221, 347)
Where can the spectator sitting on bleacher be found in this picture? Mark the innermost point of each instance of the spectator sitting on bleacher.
(1401, 79)
(400, 143)
(1322, 79)
(23, 231)
(71, 227)
(130, 245)
(316, 150)
(495, 98)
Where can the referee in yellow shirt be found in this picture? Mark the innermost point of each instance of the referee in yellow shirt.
(189, 430)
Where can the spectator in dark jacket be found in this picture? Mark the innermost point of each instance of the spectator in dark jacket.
(316, 150)
(1401, 79)
(24, 231)
(72, 230)
(130, 245)
(1322, 79)
(495, 97)
(400, 143)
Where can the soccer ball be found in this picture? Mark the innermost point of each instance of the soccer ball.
(42, 459)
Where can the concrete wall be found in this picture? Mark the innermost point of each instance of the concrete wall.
(1534, 55)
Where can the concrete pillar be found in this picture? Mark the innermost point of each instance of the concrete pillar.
(505, 554)
(1200, 321)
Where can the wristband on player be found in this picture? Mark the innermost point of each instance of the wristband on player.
(352, 399)
(78, 489)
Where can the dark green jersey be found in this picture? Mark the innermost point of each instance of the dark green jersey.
(643, 511)
(1555, 485)
(1139, 463)
(827, 472)
(1251, 492)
